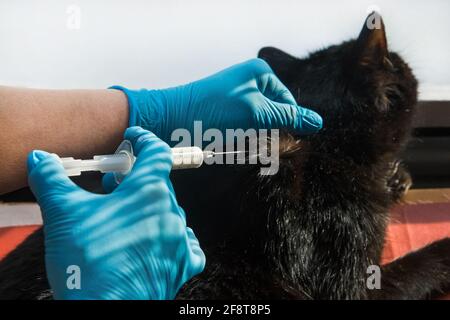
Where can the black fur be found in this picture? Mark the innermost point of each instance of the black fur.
(311, 230)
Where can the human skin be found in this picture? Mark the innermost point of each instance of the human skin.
(76, 123)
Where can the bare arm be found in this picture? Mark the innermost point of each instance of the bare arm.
(77, 123)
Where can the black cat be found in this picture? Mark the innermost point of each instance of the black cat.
(312, 230)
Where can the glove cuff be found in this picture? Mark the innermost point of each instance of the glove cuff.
(146, 108)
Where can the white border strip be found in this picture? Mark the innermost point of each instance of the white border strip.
(434, 92)
(19, 214)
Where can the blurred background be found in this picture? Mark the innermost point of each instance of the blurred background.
(160, 43)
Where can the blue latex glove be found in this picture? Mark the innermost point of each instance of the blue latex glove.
(247, 95)
(130, 244)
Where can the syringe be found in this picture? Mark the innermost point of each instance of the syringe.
(121, 162)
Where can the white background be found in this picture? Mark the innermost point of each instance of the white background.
(168, 42)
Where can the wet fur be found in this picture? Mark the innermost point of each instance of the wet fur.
(311, 230)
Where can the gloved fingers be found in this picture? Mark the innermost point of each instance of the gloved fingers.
(175, 237)
(109, 183)
(276, 91)
(283, 115)
(153, 158)
(174, 203)
(47, 177)
(174, 233)
(284, 111)
(197, 258)
(139, 138)
(269, 84)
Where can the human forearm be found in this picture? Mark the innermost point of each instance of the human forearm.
(76, 123)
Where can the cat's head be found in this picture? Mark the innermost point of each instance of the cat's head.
(365, 93)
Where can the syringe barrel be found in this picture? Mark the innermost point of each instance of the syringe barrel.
(187, 157)
(119, 162)
(123, 160)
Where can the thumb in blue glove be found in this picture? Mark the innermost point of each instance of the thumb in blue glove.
(247, 95)
(130, 244)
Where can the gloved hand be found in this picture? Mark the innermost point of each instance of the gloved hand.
(247, 95)
(130, 244)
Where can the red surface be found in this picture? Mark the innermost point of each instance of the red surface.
(414, 226)
(11, 237)
(411, 227)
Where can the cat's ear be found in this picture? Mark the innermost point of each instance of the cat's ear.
(280, 61)
(371, 45)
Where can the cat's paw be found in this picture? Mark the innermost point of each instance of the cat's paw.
(399, 181)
